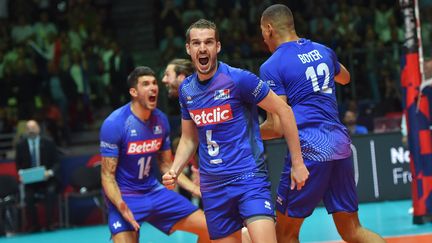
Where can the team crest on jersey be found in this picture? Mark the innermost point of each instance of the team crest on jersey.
(222, 94)
(188, 99)
(157, 129)
(133, 133)
(271, 83)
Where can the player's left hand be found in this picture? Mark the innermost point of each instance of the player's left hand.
(169, 179)
(195, 175)
(128, 215)
(299, 175)
(196, 191)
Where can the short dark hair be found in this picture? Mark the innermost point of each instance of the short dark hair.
(280, 16)
(139, 71)
(202, 24)
(182, 66)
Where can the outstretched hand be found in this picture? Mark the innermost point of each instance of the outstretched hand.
(299, 175)
(127, 214)
(169, 179)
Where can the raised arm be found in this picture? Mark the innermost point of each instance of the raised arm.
(343, 77)
(165, 163)
(274, 104)
(112, 191)
(185, 150)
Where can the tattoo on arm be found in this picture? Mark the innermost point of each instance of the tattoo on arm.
(109, 166)
(109, 183)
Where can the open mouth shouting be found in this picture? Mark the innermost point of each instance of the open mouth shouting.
(152, 98)
(203, 60)
(204, 66)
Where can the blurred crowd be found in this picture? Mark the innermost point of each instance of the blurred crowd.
(60, 60)
(367, 35)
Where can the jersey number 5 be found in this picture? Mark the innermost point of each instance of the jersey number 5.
(144, 167)
(212, 146)
(322, 70)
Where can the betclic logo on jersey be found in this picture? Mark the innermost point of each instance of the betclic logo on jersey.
(212, 115)
(144, 146)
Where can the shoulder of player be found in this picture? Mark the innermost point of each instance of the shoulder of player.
(270, 68)
(186, 82)
(188, 79)
(159, 114)
(320, 45)
(239, 73)
(116, 117)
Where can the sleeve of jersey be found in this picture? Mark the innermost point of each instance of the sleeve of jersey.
(273, 82)
(252, 89)
(184, 112)
(166, 140)
(110, 136)
(335, 61)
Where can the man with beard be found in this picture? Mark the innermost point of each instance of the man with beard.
(175, 72)
(219, 114)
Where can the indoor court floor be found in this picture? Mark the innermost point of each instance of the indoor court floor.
(391, 219)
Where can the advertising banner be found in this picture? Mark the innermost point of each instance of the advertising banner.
(418, 114)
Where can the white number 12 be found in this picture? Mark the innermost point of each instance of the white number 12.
(322, 70)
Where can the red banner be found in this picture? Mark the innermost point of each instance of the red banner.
(418, 115)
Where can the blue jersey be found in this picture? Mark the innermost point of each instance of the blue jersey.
(135, 143)
(304, 72)
(225, 114)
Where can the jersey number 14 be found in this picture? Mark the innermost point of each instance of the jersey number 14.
(144, 166)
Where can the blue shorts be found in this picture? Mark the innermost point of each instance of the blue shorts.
(226, 208)
(162, 208)
(330, 181)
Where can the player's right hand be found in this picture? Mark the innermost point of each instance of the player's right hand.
(195, 175)
(128, 215)
(169, 179)
(196, 192)
(299, 175)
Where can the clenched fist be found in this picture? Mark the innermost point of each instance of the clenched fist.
(169, 179)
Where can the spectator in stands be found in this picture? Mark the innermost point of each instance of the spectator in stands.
(170, 15)
(350, 120)
(78, 72)
(43, 29)
(35, 150)
(22, 31)
(121, 64)
(171, 45)
(191, 13)
(27, 86)
(4, 9)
